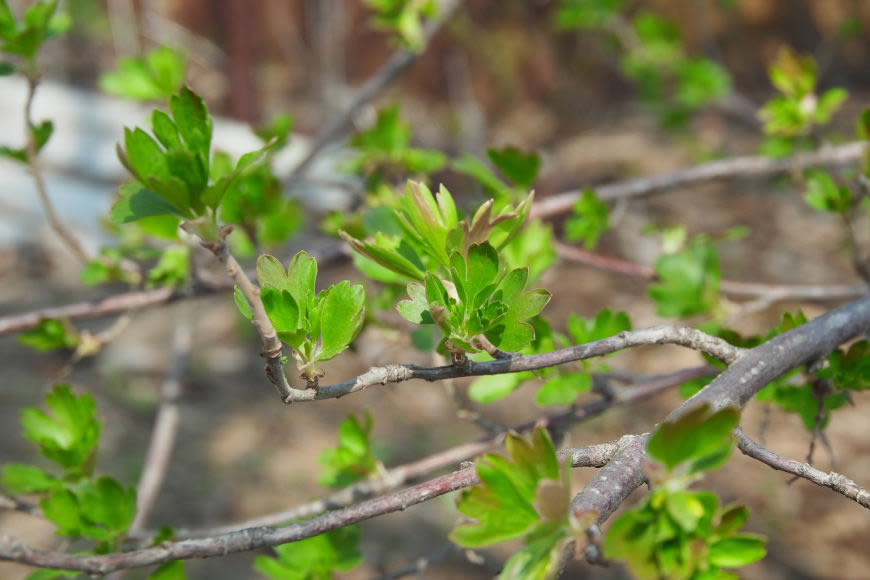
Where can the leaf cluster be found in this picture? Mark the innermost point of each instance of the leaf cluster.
(80, 504)
(22, 38)
(678, 533)
(405, 18)
(173, 169)
(688, 280)
(798, 110)
(313, 558)
(318, 326)
(483, 299)
(156, 76)
(525, 495)
(354, 458)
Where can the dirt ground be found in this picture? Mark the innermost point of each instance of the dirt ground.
(240, 453)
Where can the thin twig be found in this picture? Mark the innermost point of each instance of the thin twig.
(749, 166)
(13, 550)
(768, 292)
(836, 481)
(397, 63)
(139, 299)
(64, 234)
(273, 351)
(412, 472)
(677, 335)
(165, 427)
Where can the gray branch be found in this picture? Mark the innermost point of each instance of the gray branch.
(836, 481)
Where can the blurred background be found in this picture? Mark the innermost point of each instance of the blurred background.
(495, 74)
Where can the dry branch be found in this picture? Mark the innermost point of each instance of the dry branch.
(749, 166)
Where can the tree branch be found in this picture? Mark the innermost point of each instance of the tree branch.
(273, 350)
(400, 60)
(769, 292)
(165, 428)
(62, 232)
(744, 377)
(836, 481)
(411, 472)
(749, 166)
(13, 550)
(678, 335)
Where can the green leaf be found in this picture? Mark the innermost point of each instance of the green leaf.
(474, 168)
(563, 389)
(737, 551)
(513, 334)
(589, 221)
(282, 310)
(353, 459)
(824, 195)
(22, 478)
(270, 272)
(849, 369)
(695, 436)
(157, 76)
(169, 571)
(587, 14)
(138, 202)
(342, 316)
(688, 281)
(242, 303)
(539, 559)
(686, 509)
(482, 270)
(503, 505)
(172, 267)
(731, 519)
(6, 68)
(107, 508)
(604, 325)
(70, 434)
(520, 168)
(829, 103)
(50, 334)
(301, 275)
(313, 558)
(193, 123)
(488, 389)
(62, 509)
(416, 308)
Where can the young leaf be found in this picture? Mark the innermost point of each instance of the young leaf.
(61, 507)
(688, 281)
(739, 550)
(695, 437)
(156, 76)
(342, 315)
(353, 459)
(107, 509)
(521, 168)
(604, 325)
(504, 505)
(22, 478)
(590, 220)
(50, 334)
(69, 435)
(563, 389)
(825, 195)
(313, 558)
(489, 389)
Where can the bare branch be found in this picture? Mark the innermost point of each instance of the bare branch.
(769, 293)
(13, 550)
(62, 232)
(137, 299)
(412, 472)
(273, 351)
(836, 481)
(678, 335)
(165, 428)
(400, 60)
(749, 166)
